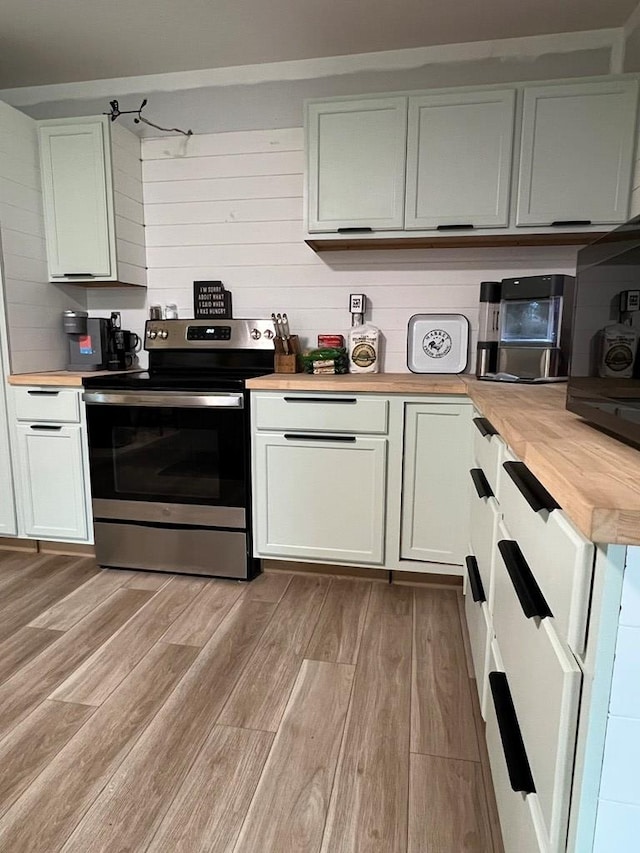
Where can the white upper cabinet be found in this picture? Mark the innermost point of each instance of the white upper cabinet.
(92, 195)
(459, 153)
(77, 200)
(356, 164)
(577, 151)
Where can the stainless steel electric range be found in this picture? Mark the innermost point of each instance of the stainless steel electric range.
(169, 450)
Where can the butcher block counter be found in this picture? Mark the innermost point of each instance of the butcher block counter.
(61, 378)
(594, 478)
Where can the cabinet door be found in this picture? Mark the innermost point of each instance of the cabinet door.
(53, 481)
(77, 200)
(317, 498)
(459, 152)
(356, 168)
(577, 153)
(435, 493)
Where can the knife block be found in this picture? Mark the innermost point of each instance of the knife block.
(284, 363)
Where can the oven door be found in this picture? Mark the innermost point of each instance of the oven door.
(169, 457)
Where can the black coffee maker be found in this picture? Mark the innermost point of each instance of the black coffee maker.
(97, 343)
(123, 345)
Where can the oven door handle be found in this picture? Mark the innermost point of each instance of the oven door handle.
(174, 400)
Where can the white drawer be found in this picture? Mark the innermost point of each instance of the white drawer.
(488, 449)
(47, 404)
(520, 818)
(480, 636)
(483, 531)
(560, 557)
(321, 412)
(545, 681)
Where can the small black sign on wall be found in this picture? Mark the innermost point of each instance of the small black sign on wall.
(211, 300)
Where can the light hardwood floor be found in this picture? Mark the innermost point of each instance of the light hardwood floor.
(150, 712)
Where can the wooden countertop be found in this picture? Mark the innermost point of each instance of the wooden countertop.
(61, 378)
(373, 383)
(594, 478)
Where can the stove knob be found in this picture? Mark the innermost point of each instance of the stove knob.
(256, 334)
(269, 334)
(164, 334)
(153, 334)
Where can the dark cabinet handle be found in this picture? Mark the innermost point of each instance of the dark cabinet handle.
(475, 581)
(355, 230)
(299, 436)
(515, 755)
(341, 400)
(41, 392)
(78, 274)
(530, 596)
(481, 483)
(485, 427)
(530, 487)
(48, 427)
(456, 227)
(574, 222)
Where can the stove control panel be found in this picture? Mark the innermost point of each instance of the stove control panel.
(209, 334)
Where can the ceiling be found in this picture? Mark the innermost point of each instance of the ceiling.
(62, 41)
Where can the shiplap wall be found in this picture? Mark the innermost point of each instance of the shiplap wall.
(127, 206)
(229, 206)
(33, 305)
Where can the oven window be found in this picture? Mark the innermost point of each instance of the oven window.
(195, 456)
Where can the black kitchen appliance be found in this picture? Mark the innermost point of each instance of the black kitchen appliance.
(604, 381)
(488, 328)
(97, 343)
(169, 450)
(535, 327)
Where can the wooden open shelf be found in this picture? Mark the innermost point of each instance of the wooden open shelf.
(568, 238)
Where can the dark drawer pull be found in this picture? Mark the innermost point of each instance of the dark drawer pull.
(515, 755)
(78, 274)
(356, 230)
(299, 436)
(47, 427)
(485, 427)
(42, 393)
(530, 596)
(341, 400)
(575, 222)
(475, 581)
(530, 487)
(481, 483)
(456, 227)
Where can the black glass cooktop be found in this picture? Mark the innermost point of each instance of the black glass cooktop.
(230, 380)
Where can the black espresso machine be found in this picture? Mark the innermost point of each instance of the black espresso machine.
(98, 343)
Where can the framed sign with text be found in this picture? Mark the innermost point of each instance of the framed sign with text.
(211, 300)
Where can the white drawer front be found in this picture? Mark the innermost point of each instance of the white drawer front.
(520, 818)
(317, 412)
(47, 404)
(545, 684)
(480, 636)
(488, 451)
(484, 523)
(560, 558)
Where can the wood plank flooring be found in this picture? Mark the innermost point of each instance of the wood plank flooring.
(152, 713)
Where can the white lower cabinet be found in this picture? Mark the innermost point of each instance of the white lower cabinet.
(435, 508)
(320, 497)
(361, 479)
(52, 466)
(7, 501)
(53, 486)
